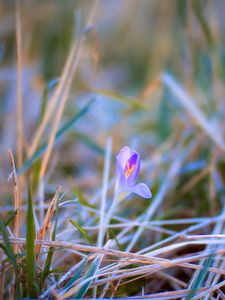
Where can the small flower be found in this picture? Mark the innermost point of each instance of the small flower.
(127, 170)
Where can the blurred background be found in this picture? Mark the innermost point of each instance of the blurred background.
(130, 44)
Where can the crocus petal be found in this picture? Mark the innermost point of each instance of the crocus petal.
(120, 175)
(142, 190)
(133, 161)
(123, 156)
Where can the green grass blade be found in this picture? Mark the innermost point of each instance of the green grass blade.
(201, 277)
(36, 175)
(30, 246)
(59, 134)
(10, 218)
(121, 98)
(51, 84)
(82, 199)
(74, 279)
(82, 231)
(198, 8)
(88, 277)
(112, 236)
(8, 248)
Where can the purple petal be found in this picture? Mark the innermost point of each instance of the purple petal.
(123, 156)
(120, 175)
(142, 190)
(134, 162)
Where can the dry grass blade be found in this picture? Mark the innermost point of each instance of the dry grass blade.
(85, 248)
(16, 197)
(19, 106)
(47, 220)
(19, 86)
(136, 258)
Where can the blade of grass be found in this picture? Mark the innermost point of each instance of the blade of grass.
(36, 175)
(48, 261)
(87, 279)
(82, 199)
(7, 248)
(47, 219)
(74, 279)
(198, 8)
(121, 98)
(19, 118)
(200, 279)
(82, 231)
(45, 95)
(85, 282)
(30, 246)
(16, 195)
(10, 218)
(112, 236)
(19, 106)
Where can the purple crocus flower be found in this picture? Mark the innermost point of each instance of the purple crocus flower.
(127, 170)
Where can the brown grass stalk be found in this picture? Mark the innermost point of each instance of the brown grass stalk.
(16, 196)
(47, 220)
(138, 258)
(19, 86)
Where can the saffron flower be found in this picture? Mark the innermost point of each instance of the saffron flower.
(127, 170)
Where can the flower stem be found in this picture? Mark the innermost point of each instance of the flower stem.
(111, 210)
